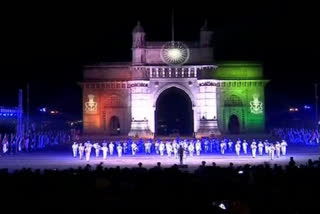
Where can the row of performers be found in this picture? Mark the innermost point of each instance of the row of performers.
(171, 148)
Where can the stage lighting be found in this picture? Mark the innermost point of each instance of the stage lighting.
(307, 107)
(222, 206)
(240, 172)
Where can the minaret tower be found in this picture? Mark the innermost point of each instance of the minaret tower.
(138, 45)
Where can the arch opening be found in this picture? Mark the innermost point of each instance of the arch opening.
(234, 124)
(114, 126)
(174, 114)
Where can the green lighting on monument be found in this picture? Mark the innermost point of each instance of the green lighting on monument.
(241, 108)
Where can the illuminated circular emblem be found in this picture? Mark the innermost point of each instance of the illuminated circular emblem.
(174, 53)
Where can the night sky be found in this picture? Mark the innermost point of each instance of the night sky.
(48, 45)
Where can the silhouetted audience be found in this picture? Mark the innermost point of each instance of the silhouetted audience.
(208, 189)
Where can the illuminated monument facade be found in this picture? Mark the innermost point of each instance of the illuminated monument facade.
(123, 98)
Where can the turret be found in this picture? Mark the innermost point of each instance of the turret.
(138, 45)
(205, 36)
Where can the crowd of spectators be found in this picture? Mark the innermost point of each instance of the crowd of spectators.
(298, 136)
(33, 141)
(208, 189)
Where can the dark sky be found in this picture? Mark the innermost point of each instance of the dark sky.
(47, 45)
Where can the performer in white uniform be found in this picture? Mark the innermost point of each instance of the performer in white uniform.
(254, 149)
(266, 146)
(191, 149)
(230, 144)
(147, 147)
(88, 151)
(156, 146)
(75, 149)
(271, 151)
(198, 147)
(245, 147)
(111, 147)
(278, 149)
(237, 148)
(169, 148)
(104, 150)
(161, 148)
(260, 147)
(119, 149)
(223, 146)
(134, 148)
(97, 148)
(81, 151)
(284, 147)
(175, 148)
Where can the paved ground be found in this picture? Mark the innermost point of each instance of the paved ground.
(62, 159)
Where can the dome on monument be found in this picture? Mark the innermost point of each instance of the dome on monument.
(138, 28)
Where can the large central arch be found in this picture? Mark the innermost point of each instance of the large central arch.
(174, 113)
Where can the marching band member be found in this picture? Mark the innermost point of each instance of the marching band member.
(278, 148)
(271, 151)
(260, 148)
(198, 147)
(206, 146)
(175, 147)
(191, 149)
(111, 146)
(254, 149)
(161, 148)
(147, 147)
(284, 147)
(156, 145)
(238, 147)
(119, 149)
(75, 149)
(230, 143)
(266, 146)
(223, 146)
(88, 151)
(125, 147)
(104, 150)
(97, 148)
(134, 148)
(168, 148)
(81, 150)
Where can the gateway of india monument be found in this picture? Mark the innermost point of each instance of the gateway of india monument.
(123, 98)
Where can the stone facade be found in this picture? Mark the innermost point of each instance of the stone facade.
(121, 97)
